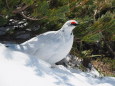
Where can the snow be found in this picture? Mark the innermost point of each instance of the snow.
(20, 69)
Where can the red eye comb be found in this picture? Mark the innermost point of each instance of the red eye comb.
(73, 22)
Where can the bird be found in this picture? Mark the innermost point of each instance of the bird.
(51, 46)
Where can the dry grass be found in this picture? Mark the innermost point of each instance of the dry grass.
(103, 68)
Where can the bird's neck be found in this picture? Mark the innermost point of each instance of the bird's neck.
(66, 32)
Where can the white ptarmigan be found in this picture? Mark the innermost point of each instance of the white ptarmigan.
(51, 46)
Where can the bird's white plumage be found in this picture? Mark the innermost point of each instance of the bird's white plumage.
(51, 46)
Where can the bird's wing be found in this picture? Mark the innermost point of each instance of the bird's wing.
(47, 41)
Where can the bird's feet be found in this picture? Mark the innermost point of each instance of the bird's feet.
(54, 66)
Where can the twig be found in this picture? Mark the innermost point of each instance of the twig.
(7, 4)
(20, 9)
(21, 12)
(110, 49)
(30, 18)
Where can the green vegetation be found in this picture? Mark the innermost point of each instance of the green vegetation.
(94, 37)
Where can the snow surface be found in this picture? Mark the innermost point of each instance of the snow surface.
(19, 69)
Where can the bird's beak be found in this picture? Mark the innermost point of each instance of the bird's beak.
(75, 24)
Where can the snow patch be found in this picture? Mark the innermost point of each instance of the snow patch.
(20, 69)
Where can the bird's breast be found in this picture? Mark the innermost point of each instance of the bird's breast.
(62, 50)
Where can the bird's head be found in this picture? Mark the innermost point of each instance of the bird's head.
(70, 25)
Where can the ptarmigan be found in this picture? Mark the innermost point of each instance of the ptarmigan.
(51, 46)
